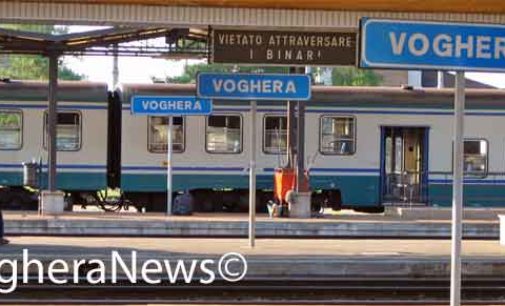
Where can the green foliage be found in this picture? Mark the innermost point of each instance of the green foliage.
(190, 71)
(36, 28)
(33, 67)
(342, 76)
(350, 76)
(10, 120)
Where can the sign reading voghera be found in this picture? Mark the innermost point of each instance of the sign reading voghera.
(283, 48)
(402, 44)
(243, 86)
(177, 105)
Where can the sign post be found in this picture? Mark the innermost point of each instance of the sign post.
(252, 87)
(170, 106)
(401, 44)
(457, 189)
(169, 165)
(252, 178)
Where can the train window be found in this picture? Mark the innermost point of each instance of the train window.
(157, 134)
(338, 135)
(11, 129)
(224, 134)
(275, 134)
(475, 157)
(68, 131)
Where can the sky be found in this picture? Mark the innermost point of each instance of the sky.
(143, 69)
(131, 69)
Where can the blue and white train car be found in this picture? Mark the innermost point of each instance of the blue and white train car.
(366, 148)
(81, 137)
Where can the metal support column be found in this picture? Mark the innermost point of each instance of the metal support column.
(300, 147)
(252, 178)
(457, 189)
(300, 142)
(169, 165)
(440, 79)
(291, 129)
(52, 118)
(115, 68)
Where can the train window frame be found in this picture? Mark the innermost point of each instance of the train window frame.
(355, 136)
(184, 122)
(477, 174)
(241, 133)
(44, 129)
(466, 174)
(263, 149)
(21, 128)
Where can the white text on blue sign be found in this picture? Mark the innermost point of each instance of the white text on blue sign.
(431, 45)
(254, 86)
(153, 105)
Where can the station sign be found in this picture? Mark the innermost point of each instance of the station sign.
(168, 106)
(282, 48)
(403, 44)
(242, 86)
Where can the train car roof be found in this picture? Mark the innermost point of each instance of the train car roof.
(79, 91)
(352, 96)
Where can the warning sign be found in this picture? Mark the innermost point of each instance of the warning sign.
(283, 48)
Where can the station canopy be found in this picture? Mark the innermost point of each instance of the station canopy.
(179, 42)
(433, 6)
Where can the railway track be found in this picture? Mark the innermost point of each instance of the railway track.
(348, 291)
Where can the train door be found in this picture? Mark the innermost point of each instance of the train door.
(404, 165)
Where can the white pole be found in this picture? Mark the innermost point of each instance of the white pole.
(169, 167)
(457, 189)
(252, 178)
(440, 79)
(115, 68)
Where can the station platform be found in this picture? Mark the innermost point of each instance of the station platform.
(228, 225)
(281, 258)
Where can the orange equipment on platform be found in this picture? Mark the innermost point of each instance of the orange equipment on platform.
(285, 180)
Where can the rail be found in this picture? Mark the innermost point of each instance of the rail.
(303, 290)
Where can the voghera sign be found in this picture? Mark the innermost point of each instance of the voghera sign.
(400, 44)
(158, 105)
(404, 44)
(243, 86)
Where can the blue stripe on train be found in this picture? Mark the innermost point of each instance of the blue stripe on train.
(339, 110)
(41, 106)
(482, 195)
(65, 181)
(60, 166)
(242, 169)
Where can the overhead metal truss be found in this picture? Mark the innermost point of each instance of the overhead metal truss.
(179, 42)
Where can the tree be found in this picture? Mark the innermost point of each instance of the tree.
(190, 71)
(342, 76)
(350, 76)
(34, 67)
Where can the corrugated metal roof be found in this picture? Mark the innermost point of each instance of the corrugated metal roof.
(131, 14)
(454, 6)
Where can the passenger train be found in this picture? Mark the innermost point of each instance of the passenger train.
(366, 147)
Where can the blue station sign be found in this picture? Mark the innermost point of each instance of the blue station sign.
(403, 44)
(177, 105)
(241, 86)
